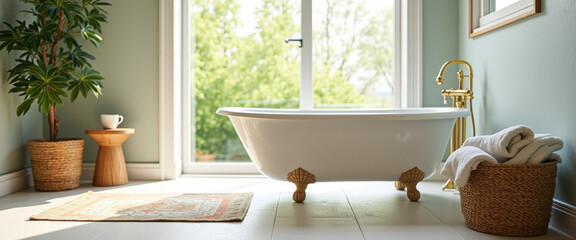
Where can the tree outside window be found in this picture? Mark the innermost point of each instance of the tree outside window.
(241, 60)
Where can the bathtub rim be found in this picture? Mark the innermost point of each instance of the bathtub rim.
(421, 113)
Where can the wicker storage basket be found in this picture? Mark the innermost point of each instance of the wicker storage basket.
(509, 199)
(56, 166)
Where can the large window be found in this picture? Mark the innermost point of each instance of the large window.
(285, 54)
(241, 59)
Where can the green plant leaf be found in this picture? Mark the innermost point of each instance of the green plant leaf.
(45, 75)
(24, 107)
(74, 94)
(85, 81)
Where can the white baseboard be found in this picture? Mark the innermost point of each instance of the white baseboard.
(16, 181)
(19, 180)
(136, 171)
(564, 218)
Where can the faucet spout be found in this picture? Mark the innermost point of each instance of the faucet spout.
(440, 77)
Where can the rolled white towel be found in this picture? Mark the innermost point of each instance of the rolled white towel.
(505, 144)
(538, 151)
(553, 157)
(462, 162)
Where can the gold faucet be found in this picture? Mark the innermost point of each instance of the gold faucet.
(459, 97)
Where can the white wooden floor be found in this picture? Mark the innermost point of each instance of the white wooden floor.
(337, 210)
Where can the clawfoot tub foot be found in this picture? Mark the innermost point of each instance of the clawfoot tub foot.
(411, 178)
(301, 178)
(399, 185)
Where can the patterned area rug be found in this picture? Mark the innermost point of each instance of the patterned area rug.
(114, 207)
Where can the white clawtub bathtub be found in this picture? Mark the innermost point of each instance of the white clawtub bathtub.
(304, 146)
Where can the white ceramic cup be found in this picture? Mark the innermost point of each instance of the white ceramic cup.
(111, 121)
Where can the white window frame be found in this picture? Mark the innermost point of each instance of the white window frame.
(175, 110)
(481, 20)
(170, 80)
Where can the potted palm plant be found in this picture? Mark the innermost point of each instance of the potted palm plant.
(51, 67)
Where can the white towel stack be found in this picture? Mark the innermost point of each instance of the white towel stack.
(504, 144)
(513, 145)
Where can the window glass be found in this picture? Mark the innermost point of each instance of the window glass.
(353, 53)
(241, 59)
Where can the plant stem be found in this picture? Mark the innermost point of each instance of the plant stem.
(57, 38)
(44, 58)
(53, 122)
(43, 44)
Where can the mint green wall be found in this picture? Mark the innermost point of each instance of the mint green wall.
(440, 44)
(14, 131)
(525, 73)
(128, 59)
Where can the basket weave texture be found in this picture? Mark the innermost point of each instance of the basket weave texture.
(56, 166)
(509, 199)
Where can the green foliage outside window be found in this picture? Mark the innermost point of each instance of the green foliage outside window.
(257, 69)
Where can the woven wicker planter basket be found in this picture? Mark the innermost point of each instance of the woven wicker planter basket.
(56, 166)
(509, 199)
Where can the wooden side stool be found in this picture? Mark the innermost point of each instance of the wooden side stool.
(110, 167)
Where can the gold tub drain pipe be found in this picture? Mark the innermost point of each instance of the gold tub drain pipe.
(459, 97)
